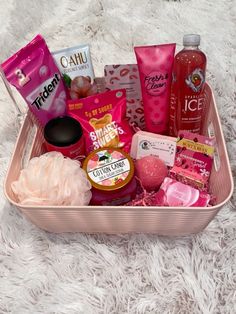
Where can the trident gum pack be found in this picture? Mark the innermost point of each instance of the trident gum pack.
(35, 75)
(103, 118)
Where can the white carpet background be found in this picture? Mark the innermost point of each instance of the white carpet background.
(78, 273)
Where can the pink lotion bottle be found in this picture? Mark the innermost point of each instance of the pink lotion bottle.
(155, 64)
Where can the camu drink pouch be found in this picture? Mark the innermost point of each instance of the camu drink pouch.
(35, 75)
(76, 67)
(103, 119)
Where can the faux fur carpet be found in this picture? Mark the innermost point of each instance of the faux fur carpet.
(78, 273)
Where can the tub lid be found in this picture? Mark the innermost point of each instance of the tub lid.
(109, 169)
(62, 131)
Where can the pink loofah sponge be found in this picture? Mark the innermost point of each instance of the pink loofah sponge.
(53, 180)
(151, 171)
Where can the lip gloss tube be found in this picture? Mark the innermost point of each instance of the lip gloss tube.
(155, 64)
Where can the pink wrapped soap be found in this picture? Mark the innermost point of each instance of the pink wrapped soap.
(151, 172)
(174, 193)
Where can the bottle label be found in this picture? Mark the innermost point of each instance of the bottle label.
(195, 80)
(193, 104)
(191, 114)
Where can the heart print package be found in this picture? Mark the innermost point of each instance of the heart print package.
(103, 119)
(33, 72)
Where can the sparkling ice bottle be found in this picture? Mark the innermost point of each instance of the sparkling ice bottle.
(187, 92)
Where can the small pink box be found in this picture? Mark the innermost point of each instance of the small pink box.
(174, 193)
(193, 160)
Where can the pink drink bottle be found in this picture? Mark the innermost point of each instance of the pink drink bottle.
(187, 92)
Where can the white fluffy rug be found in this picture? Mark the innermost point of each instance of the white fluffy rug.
(78, 273)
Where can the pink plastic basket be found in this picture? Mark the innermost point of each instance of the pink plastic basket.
(170, 221)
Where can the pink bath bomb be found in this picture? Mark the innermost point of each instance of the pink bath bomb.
(151, 171)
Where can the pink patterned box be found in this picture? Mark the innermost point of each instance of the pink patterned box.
(174, 193)
(193, 160)
(127, 76)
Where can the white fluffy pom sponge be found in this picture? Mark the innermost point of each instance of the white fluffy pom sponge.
(53, 179)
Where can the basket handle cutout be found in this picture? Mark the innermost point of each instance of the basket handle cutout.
(211, 134)
(27, 152)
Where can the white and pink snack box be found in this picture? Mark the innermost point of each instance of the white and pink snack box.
(161, 146)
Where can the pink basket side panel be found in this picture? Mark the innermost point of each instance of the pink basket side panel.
(114, 221)
(221, 181)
